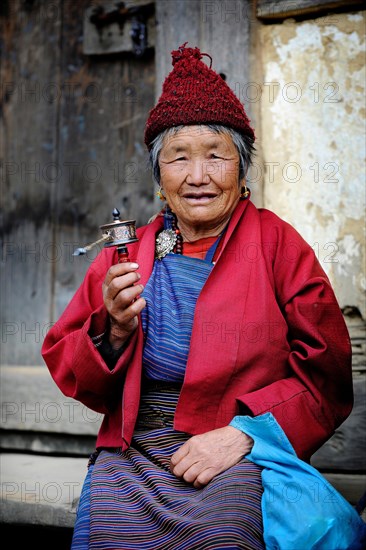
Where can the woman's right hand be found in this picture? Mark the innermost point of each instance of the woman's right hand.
(122, 301)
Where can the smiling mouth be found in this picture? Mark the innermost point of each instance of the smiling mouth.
(199, 196)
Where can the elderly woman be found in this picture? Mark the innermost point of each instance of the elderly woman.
(223, 311)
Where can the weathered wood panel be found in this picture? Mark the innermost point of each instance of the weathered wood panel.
(29, 132)
(73, 150)
(274, 9)
(101, 136)
(223, 30)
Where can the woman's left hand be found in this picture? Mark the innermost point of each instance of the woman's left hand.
(204, 456)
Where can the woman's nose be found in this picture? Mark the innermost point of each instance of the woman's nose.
(199, 172)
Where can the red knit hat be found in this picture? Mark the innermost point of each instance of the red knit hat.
(194, 94)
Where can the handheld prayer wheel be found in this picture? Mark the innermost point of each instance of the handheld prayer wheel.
(117, 233)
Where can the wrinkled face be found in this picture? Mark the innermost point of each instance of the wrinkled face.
(199, 172)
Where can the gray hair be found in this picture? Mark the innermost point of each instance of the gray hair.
(243, 143)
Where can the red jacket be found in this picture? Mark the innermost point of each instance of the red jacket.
(268, 335)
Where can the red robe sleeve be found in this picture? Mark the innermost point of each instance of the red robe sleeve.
(317, 395)
(69, 347)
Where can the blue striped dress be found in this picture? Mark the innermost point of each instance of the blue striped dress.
(130, 499)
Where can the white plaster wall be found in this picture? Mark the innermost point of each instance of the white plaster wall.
(313, 140)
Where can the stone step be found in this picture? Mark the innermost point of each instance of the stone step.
(40, 490)
(44, 491)
(37, 417)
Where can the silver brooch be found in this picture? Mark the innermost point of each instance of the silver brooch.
(165, 243)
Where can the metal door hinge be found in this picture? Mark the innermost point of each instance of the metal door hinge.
(119, 27)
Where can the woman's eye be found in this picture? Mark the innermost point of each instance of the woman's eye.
(214, 156)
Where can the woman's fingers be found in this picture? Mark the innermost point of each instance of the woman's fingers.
(121, 294)
(128, 313)
(118, 283)
(120, 288)
(200, 478)
(180, 454)
(118, 270)
(198, 470)
(204, 478)
(181, 466)
(124, 324)
(206, 455)
(122, 299)
(197, 473)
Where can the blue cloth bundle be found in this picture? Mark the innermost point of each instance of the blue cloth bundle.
(301, 509)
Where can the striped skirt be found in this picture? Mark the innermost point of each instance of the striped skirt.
(131, 500)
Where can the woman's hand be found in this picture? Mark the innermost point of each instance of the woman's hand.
(204, 456)
(122, 301)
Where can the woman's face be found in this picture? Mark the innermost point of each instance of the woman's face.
(200, 176)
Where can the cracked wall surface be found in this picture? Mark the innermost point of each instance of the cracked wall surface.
(312, 136)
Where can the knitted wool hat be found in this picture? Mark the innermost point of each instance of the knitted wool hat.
(195, 94)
